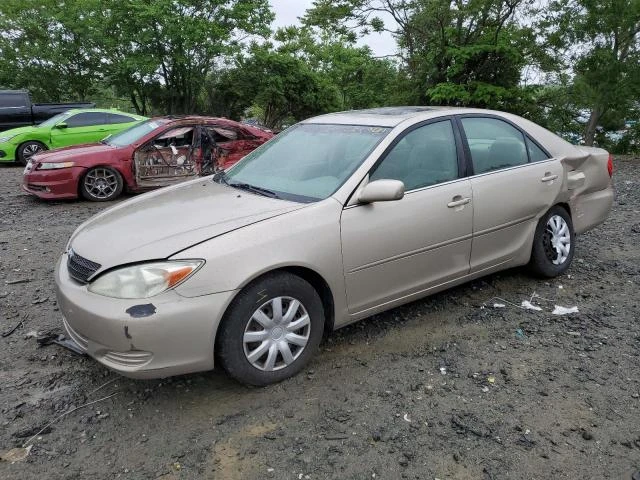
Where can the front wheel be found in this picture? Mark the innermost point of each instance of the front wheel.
(27, 150)
(271, 330)
(101, 184)
(553, 244)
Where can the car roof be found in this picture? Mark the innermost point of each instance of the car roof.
(103, 110)
(393, 116)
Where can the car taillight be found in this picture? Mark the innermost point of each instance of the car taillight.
(610, 165)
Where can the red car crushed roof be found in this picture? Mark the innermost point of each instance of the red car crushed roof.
(155, 153)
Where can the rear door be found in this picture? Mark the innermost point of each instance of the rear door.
(514, 182)
(79, 128)
(392, 250)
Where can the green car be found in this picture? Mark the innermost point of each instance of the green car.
(72, 127)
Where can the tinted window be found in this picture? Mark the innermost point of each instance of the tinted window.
(535, 152)
(12, 100)
(494, 144)
(425, 156)
(85, 119)
(115, 118)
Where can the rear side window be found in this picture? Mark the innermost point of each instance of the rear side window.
(115, 118)
(536, 154)
(425, 156)
(85, 119)
(494, 144)
(12, 100)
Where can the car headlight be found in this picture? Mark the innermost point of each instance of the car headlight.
(6, 139)
(54, 165)
(145, 280)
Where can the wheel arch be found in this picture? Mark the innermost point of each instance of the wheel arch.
(317, 281)
(564, 205)
(28, 140)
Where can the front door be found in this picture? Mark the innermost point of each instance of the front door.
(514, 182)
(85, 127)
(395, 249)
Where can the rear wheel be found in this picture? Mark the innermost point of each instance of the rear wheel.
(271, 330)
(101, 184)
(27, 150)
(554, 243)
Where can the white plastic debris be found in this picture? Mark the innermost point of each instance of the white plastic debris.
(499, 305)
(529, 306)
(16, 454)
(443, 370)
(485, 389)
(564, 310)
(406, 418)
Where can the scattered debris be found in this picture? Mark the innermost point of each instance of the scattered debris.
(10, 331)
(406, 418)
(558, 310)
(491, 379)
(499, 305)
(520, 335)
(526, 304)
(48, 425)
(47, 338)
(16, 454)
(38, 301)
(443, 370)
(573, 334)
(19, 280)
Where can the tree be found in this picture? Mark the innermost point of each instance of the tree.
(467, 53)
(600, 39)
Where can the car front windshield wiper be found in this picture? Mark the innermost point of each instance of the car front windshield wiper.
(221, 177)
(254, 189)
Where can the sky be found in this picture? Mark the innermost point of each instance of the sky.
(288, 11)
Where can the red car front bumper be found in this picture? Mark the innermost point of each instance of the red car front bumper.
(53, 184)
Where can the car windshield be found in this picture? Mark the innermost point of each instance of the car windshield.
(307, 162)
(55, 119)
(136, 132)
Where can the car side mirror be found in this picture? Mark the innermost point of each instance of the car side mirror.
(381, 191)
(61, 125)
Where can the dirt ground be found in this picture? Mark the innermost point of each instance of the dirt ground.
(441, 388)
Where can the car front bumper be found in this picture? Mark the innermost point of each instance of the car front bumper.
(149, 338)
(7, 151)
(52, 184)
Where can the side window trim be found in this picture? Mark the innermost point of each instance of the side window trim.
(467, 151)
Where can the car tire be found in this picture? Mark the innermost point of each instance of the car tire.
(256, 344)
(553, 244)
(101, 184)
(27, 149)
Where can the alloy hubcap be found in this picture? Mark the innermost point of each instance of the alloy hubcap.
(276, 334)
(557, 240)
(101, 183)
(30, 150)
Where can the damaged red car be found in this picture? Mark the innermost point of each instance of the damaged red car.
(155, 153)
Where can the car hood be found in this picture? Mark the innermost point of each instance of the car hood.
(159, 224)
(75, 152)
(17, 131)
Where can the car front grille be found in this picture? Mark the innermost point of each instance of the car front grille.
(80, 268)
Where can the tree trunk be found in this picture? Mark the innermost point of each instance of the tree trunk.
(590, 131)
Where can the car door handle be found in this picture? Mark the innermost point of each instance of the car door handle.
(548, 177)
(458, 201)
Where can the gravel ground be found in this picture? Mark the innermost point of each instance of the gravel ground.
(440, 388)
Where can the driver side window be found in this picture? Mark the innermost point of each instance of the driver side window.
(425, 156)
